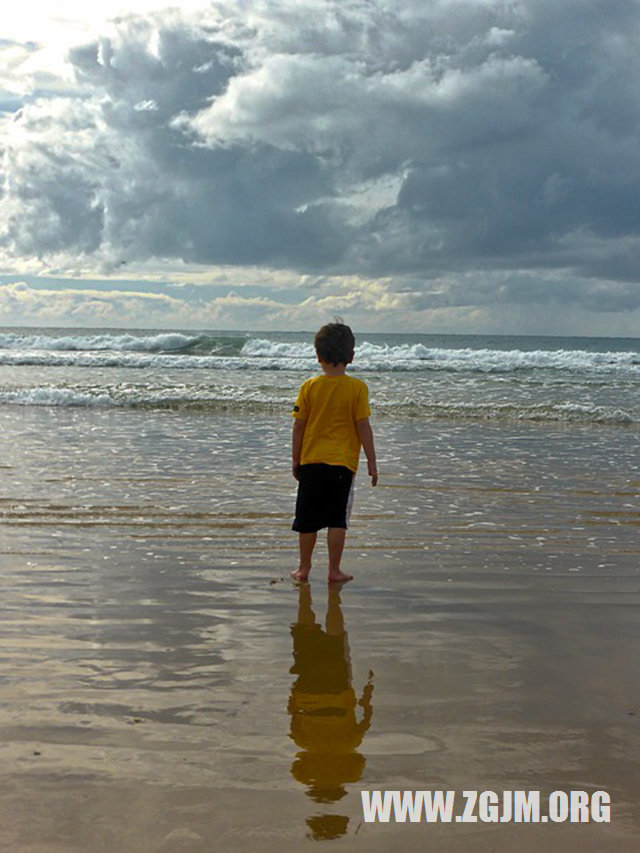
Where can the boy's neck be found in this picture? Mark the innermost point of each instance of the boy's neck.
(333, 369)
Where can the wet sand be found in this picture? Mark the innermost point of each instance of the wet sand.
(164, 687)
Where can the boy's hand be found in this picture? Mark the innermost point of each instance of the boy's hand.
(366, 437)
(295, 470)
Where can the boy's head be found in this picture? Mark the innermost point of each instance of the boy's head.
(335, 344)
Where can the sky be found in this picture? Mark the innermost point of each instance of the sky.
(409, 165)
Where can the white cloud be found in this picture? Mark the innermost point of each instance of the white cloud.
(22, 304)
(469, 144)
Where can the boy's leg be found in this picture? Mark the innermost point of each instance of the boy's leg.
(306, 541)
(335, 546)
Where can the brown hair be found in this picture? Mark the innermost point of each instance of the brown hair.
(335, 343)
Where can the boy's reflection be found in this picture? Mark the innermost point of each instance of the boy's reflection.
(323, 711)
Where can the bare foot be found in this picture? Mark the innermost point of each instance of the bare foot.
(300, 575)
(340, 577)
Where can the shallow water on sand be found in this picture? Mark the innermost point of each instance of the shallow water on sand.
(164, 687)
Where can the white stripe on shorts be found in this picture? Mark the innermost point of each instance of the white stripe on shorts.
(350, 499)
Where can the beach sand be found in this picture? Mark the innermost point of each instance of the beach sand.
(147, 698)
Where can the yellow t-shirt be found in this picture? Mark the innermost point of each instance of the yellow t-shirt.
(331, 405)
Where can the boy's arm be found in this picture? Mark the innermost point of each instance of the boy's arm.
(296, 445)
(366, 437)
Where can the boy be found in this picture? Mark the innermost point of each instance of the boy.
(331, 425)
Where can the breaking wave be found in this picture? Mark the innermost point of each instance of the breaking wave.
(208, 352)
(417, 356)
(164, 342)
(561, 380)
(232, 399)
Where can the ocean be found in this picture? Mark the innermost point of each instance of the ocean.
(451, 377)
(143, 434)
(150, 628)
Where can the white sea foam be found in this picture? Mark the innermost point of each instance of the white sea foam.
(407, 377)
(133, 360)
(260, 348)
(538, 412)
(164, 342)
(143, 395)
(261, 399)
(54, 396)
(178, 350)
(417, 356)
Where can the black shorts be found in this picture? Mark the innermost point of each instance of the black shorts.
(324, 493)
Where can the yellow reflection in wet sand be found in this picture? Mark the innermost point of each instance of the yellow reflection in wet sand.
(322, 706)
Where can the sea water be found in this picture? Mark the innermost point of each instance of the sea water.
(156, 436)
(146, 503)
(452, 377)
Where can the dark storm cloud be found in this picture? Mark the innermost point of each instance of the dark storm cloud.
(380, 139)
